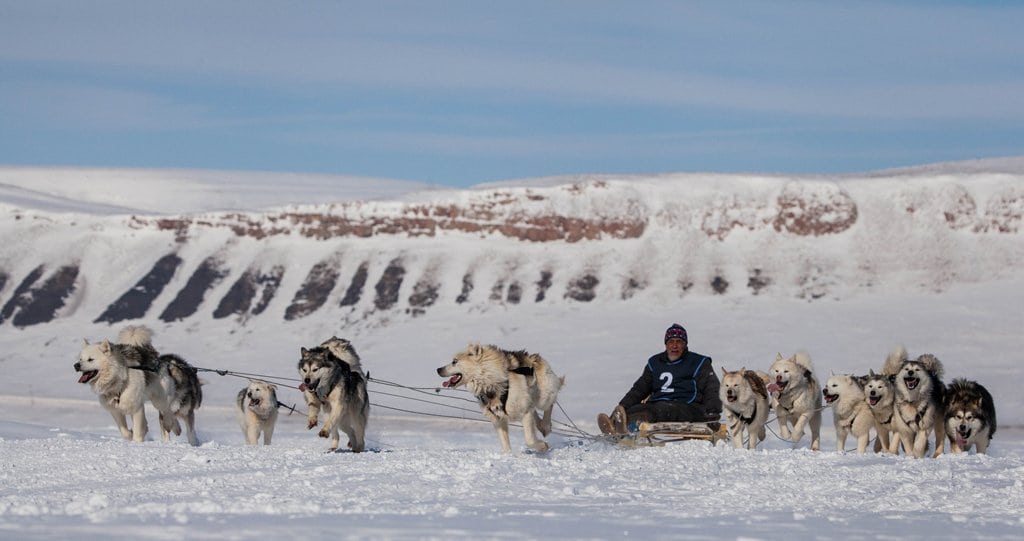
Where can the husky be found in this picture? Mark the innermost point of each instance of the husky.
(127, 373)
(879, 395)
(257, 411)
(918, 405)
(798, 397)
(509, 386)
(332, 379)
(970, 416)
(744, 397)
(850, 411)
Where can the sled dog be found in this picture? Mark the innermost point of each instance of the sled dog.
(850, 411)
(332, 379)
(744, 397)
(257, 411)
(918, 404)
(970, 416)
(879, 396)
(126, 373)
(798, 399)
(510, 386)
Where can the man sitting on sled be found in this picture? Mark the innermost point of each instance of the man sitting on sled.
(676, 385)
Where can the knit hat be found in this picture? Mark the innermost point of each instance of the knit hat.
(676, 331)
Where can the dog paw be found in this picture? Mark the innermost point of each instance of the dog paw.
(311, 424)
(324, 433)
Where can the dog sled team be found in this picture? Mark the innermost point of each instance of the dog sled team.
(902, 406)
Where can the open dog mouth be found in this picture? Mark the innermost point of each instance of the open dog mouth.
(873, 400)
(254, 402)
(453, 381)
(829, 398)
(87, 376)
(911, 383)
(309, 386)
(730, 396)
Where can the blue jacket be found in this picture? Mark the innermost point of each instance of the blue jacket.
(689, 379)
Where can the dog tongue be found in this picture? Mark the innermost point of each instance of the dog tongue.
(452, 381)
(774, 388)
(302, 387)
(84, 378)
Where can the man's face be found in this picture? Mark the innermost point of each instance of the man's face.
(675, 348)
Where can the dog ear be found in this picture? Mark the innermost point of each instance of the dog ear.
(778, 357)
(724, 372)
(303, 351)
(743, 369)
(871, 373)
(85, 342)
(105, 346)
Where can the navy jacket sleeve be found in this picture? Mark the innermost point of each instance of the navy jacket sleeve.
(642, 389)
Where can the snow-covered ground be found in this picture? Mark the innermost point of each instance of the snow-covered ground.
(65, 472)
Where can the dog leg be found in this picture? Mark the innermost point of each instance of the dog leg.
(268, 433)
(816, 430)
(545, 422)
(798, 428)
(940, 438)
(190, 428)
(501, 425)
(355, 440)
(139, 425)
(122, 424)
(980, 445)
(313, 413)
(920, 444)
(529, 432)
(841, 433)
(784, 425)
(862, 443)
(252, 430)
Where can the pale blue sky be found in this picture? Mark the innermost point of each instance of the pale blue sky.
(465, 92)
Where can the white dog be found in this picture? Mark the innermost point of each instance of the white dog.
(850, 411)
(798, 397)
(257, 411)
(745, 400)
(510, 386)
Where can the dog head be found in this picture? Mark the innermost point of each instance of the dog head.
(92, 359)
(315, 365)
(841, 386)
(913, 380)
(260, 397)
(784, 372)
(734, 387)
(482, 364)
(878, 390)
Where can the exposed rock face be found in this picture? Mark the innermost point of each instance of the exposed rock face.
(34, 305)
(582, 288)
(543, 284)
(135, 302)
(314, 291)
(355, 289)
(209, 273)
(239, 299)
(389, 284)
(823, 211)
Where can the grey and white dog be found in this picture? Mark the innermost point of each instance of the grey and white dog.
(127, 373)
(257, 407)
(880, 395)
(332, 380)
(918, 409)
(970, 416)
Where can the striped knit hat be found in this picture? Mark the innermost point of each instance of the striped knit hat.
(676, 331)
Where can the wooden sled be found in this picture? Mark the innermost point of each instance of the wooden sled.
(658, 434)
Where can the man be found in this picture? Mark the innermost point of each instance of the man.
(676, 385)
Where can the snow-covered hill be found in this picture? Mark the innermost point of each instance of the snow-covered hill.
(603, 240)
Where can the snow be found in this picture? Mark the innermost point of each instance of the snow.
(65, 472)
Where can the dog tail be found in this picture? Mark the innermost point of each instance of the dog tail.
(932, 364)
(803, 359)
(136, 335)
(894, 361)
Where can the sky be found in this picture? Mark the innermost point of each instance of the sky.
(458, 93)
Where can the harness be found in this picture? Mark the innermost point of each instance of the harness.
(917, 418)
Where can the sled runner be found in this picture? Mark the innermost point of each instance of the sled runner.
(658, 434)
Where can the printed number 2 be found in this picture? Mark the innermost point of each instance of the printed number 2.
(667, 386)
